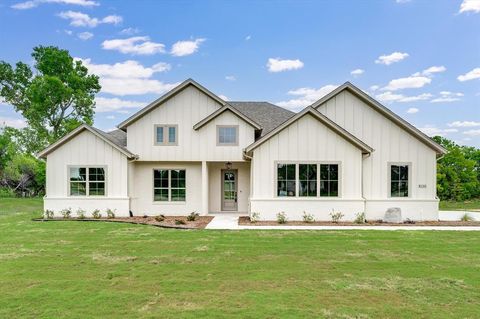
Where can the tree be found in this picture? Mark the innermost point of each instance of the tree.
(55, 99)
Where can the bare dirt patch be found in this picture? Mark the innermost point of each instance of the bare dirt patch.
(245, 221)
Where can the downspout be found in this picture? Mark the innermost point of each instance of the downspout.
(363, 197)
(133, 159)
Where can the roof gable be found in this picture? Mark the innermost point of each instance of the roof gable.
(226, 107)
(166, 97)
(324, 120)
(384, 111)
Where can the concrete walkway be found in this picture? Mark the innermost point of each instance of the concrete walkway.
(229, 221)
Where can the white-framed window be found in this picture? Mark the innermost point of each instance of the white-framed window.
(308, 179)
(87, 181)
(399, 179)
(165, 134)
(169, 185)
(227, 135)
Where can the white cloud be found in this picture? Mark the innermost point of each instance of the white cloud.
(110, 117)
(230, 78)
(69, 32)
(129, 31)
(474, 74)
(374, 87)
(391, 58)
(393, 97)
(79, 19)
(472, 132)
(134, 45)
(305, 97)
(115, 104)
(132, 86)
(470, 5)
(278, 65)
(126, 69)
(433, 69)
(402, 1)
(357, 72)
(224, 97)
(248, 37)
(412, 110)
(35, 3)
(446, 96)
(434, 131)
(85, 35)
(12, 122)
(182, 48)
(410, 82)
(463, 124)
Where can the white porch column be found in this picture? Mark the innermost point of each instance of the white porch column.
(205, 186)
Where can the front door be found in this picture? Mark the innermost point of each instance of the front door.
(229, 190)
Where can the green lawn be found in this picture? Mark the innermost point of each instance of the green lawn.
(110, 270)
(473, 204)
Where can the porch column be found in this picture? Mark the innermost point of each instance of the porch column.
(205, 186)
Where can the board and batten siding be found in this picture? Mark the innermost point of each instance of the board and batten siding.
(86, 149)
(186, 109)
(306, 140)
(392, 144)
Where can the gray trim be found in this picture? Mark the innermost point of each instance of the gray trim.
(166, 135)
(226, 107)
(389, 181)
(87, 187)
(222, 197)
(322, 118)
(237, 129)
(166, 97)
(385, 112)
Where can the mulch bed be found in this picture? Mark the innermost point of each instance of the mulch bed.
(169, 222)
(245, 221)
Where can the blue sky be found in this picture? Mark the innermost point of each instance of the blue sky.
(420, 58)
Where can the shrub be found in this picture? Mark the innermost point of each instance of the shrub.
(160, 218)
(179, 222)
(282, 218)
(409, 221)
(466, 218)
(6, 192)
(81, 213)
(192, 216)
(336, 217)
(66, 213)
(360, 218)
(96, 214)
(308, 218)
(110, 213)
(254, 217)
(48, 214)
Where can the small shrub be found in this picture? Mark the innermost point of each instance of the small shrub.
(254, 217)
(179, 222)
(160, 218)
(192, 217)
(336, 217)
(466, 218)
(145, 216)
(48, 214)
(96, 214)
(360, 218)
(110, 213)
(308, 218)
(282, 218)
(66, 213)
(80, 213)
(409, 221)
(6, 192)
(379, 221)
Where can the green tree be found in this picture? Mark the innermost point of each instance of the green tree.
(56, 98)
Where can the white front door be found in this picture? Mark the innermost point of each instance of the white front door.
(229, 190)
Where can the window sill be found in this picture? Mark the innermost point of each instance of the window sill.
(168, 203)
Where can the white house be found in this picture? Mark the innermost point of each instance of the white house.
(192, 151)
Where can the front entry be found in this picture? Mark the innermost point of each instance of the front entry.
(229, 190)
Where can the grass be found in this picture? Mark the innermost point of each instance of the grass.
(109, 270)
(472, 204)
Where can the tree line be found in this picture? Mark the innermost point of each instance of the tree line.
(59, 94)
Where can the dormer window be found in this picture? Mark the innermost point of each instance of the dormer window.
(227, 135)
(165, 134)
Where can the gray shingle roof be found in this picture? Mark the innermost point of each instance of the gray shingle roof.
(117, 137)
(268, 115)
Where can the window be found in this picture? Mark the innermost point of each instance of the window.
(399, 180)
(227, 135)
(286, 179)
(87, 181)
(169, 185)
(329, 180)
(166, 134)
(308, 180)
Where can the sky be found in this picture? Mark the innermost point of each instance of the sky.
(420, 58)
